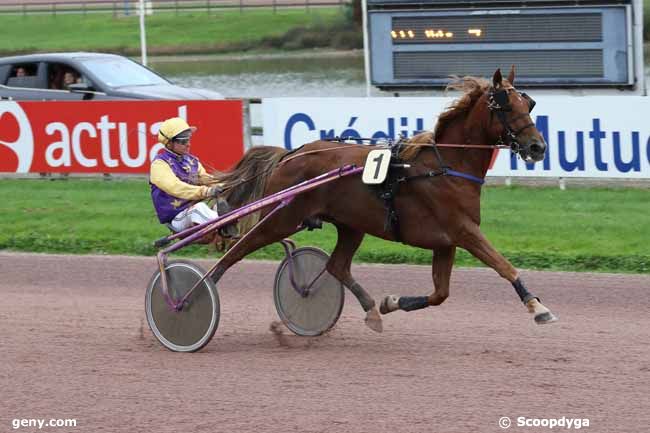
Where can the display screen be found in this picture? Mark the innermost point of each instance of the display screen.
(550, 46)
(497, 28)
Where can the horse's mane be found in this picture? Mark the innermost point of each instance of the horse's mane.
(472, 88)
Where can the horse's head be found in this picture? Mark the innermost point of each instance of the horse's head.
(509, 118)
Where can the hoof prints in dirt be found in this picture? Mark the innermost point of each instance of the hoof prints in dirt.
(293, 341)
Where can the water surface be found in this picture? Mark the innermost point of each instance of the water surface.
(305, 75)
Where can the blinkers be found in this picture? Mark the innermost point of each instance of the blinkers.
(499, 101)
(531, 102)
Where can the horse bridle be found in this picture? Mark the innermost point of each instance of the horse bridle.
(499, 104)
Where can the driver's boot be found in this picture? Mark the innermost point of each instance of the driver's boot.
(230, 231)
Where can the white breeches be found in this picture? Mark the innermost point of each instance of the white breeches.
(199, 213)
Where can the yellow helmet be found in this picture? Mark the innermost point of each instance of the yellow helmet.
(171, 128)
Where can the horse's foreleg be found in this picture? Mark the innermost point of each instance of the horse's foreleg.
(474, 242)
(443, 261)
(339, 266)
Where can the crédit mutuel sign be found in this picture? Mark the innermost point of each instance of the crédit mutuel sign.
(588, 136)
(111, 136)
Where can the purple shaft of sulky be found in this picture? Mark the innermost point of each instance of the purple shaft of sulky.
(196, 232)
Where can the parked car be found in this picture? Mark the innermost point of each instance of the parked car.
(86, 76)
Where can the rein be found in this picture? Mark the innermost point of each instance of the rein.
(241, 182)
(497, 103)
(472, 146)
(388, 146)
(445, 171)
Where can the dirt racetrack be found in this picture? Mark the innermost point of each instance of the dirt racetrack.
(75, 345)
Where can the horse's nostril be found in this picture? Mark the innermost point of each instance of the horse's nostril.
(537, 148)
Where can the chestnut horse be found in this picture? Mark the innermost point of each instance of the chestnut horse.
(438, 201)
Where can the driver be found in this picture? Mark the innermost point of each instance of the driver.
(179, 183)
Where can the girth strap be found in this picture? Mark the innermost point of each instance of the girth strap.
(388, 194)
(389, 189)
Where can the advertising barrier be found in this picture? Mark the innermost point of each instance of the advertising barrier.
(599, 136)
(112, 136)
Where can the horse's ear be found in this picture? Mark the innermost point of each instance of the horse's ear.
(497, 78)
(511, 75)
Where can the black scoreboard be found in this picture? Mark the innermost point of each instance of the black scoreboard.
(419, 44)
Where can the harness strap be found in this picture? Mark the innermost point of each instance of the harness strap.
(478, 180)
(440, 161)
(392, 217)
(390, 189)
(391, 186)
(444, 171)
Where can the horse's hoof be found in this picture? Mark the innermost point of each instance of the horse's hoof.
(373, 320)
(545, 318)
(389, 304)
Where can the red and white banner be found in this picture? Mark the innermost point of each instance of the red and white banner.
(112, 136)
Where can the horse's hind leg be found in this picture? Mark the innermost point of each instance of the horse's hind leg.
(474, 242)
(339, 266)
(443, 261)
(267, 232)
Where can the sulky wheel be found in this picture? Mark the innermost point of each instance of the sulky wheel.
(192, 327)
(315, 304)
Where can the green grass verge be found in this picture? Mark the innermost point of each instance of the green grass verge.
(646, 20)
(537, 228)
(189, 32)
(166, 32)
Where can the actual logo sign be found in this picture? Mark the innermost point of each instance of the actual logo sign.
(111, 136)
(16, 134)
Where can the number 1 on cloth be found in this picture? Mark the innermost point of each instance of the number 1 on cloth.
(376, 168)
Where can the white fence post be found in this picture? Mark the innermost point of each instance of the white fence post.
(143, 37)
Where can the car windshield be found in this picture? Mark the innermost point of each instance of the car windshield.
(122, 72)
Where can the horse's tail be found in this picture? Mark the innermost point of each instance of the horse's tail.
(247, 181)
